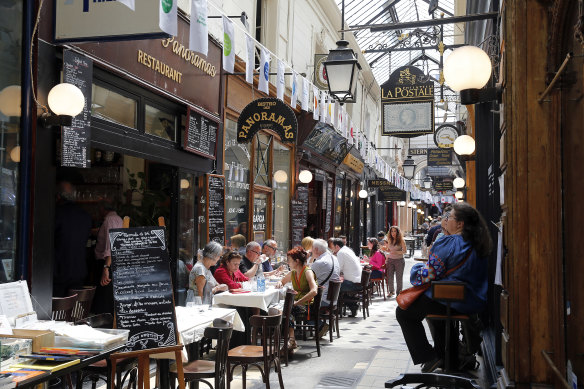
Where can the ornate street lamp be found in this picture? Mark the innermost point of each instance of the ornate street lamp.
(428, 182)
(409, 167)
(342, 69)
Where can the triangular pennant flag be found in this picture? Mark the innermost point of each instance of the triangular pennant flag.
(294, 97)
(315, 103)
(280, 86)
(264, 84)
(305, 93)
(250, 62)
(228, 45)
(199, 31)
(168, 19)
(128, 3)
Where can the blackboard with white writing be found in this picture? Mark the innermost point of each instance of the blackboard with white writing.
(216, 208)
(77, 70)
(299, 215)
(200, 134)
(143, 299)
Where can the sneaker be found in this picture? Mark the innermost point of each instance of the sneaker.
(323, 330)
(431, 365)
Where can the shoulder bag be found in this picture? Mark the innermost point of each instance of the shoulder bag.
(409, 295)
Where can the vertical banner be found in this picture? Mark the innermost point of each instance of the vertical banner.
(168, 19)
(128, 3)
(323, 107)
(305, 94)
(199, 31)
(351, 132)
(315, 103)
(294, 97)
(228, 42)
(264, 84)
(250, 63)
(280, 86)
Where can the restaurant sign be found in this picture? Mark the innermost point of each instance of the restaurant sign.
(387, 191)
(267, 113)
(407, 103)
(439, 157)
(443, 186)
(354, 163)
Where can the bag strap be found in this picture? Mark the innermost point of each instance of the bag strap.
(332, 270)
(450, 271)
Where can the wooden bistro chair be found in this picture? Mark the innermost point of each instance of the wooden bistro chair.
(203, 370)
(360, 296)
(84, 302)
(306, 323)
(63, 308)
(264, 355)
(288, 304)
(331, 313)
(378, 284)
(447, 292)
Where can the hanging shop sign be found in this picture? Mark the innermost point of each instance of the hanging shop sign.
(417, 151)
(268, 113)
(320, 80)
(77, 70)
(445, 135)
(387, 191)
(327, 142)
(354, 163)
(106, 20)
(439, 157)
(200, 136)
(443, 186)
(407, 103)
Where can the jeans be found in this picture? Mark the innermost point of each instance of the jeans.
(410, 321)
(395, 266)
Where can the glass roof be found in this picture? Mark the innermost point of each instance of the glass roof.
(359, 13)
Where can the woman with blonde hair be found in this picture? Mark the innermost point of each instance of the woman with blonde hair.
(307, 246)
(395, 264)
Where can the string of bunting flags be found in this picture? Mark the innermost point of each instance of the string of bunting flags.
(323, 106)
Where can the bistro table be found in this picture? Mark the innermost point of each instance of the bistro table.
(261, 300)
(75, 368)
(410, 244)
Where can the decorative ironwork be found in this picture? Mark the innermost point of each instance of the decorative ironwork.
(412, 40)
(579, 27)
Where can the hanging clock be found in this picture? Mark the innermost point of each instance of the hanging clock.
(445, 135)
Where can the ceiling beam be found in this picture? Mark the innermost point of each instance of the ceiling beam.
(423, 23)
(413, 48)
(440, 8)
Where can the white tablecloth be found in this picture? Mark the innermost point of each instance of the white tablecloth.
(261, 300)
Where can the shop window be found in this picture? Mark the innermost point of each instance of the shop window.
(237, 162)
(262, 160)
(281, 197)
(160, 123)
(187, 242)
(260, 217)
(114, 107)
(10, 80)
(338, 207)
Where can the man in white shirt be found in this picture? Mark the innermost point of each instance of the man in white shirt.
(350, 269)
(325, 267)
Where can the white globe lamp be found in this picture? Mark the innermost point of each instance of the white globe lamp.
(280, 176)
(467, 67)
(459, 195)
(10, 100)
(464, 145)
(66, 99)
(363, 194)
(305, 176)
(458, 183)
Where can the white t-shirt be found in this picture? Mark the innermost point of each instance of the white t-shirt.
(349, 264)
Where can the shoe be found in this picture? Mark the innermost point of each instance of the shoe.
(431, 365)
(353, 311)
(292, 345)
(323, 330)
(390, 295)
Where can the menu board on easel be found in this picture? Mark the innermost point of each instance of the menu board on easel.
(299, 214)
(216, 208)
(201, 133)
(143, 293)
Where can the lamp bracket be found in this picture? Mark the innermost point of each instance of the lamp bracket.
(49, 120)
(474, 96)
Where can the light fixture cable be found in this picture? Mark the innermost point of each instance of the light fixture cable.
(34, 31)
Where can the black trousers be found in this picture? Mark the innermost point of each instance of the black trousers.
(410, 321)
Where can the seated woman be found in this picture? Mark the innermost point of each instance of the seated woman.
(201, 281)
(464, 250)
(307, 246)
(228, 273)
(303, 282)
(376, 259)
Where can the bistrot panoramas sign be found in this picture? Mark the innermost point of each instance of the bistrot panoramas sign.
(407, 103)
(267, 113)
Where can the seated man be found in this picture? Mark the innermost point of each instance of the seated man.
(325, 267)
(269, 249)
(350, 269)
(251, 261)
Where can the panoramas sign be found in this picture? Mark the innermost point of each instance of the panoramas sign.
(267, 113)
(106, 20)
(407, 103)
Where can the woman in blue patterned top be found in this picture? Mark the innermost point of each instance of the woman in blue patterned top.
(469, 243)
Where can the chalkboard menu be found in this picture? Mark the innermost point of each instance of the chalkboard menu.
(326, 141)
(329, 206)
(299, 214)
(77, 70)
(216, 208)
(143, 298)
(201, 134)
(439, 157)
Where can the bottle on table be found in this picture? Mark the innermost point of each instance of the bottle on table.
(260, 279)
